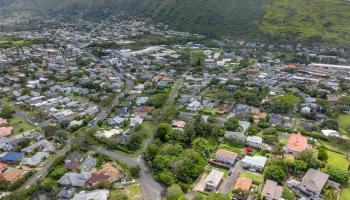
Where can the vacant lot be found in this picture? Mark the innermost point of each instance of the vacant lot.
(20, 125)
(344, 124)
(337, 160)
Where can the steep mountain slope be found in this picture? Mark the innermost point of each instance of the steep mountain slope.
(308, 20)
(311, 21)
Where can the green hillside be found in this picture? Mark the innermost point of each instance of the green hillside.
(314, 21)
(308, 20)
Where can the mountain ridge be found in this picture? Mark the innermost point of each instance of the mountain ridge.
(312, 21)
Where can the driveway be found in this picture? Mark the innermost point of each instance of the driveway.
(227, 185)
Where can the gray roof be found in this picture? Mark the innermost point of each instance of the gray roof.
(314, 180)
(88, 164)
(74, 179)
(66, 193)
(234, 135)
(92, 195)
(272, 190)
(255, 139)
(214, 178)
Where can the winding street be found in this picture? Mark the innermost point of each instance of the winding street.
(105, 111)
(151, 189)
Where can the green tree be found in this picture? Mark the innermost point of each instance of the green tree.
(338, 175)
(299, 166)
(322, 154)
(174, 192)
(232, 124)
(7, 111)
(287, 194)
(135, 141)
(330, 194)
(275, 173)
(166, 177)
(217, 196)
(162, 131)
(135, 171)
(330, 124)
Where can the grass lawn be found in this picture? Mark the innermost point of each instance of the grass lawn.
(345, 193)
(229, 147)
(209, 111)
(135, 190)
(334, 146)
(344, 124)
(255, 176)
(20, 125)
(337, 160)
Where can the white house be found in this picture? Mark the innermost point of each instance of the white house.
(254, 141)
(255, 163)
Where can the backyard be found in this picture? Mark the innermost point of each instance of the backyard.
(20, 125)
(337, 160)
(344, 124)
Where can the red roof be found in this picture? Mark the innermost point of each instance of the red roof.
(4, 131)
(179, 123)
(297, 142)
(243, 183)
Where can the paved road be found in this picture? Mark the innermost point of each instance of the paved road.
(45, 169)
(105, 111)
(151, 189)
(173, 94)
(230, 180)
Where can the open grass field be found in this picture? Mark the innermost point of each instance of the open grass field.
(134, 190)
(255, 176)
(337, 160)
(20, 125)
(345, 193)
(229, 147)
(344, 124)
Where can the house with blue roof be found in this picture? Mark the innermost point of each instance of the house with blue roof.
(11, 157)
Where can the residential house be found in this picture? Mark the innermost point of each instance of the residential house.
(225, 157)
(313, 182)
(258, 115)
(43, 145)
(238, 135)
(11, 157)
(178, 124)
(135, 120)
(9, 174)
(88, 164)
(272, 191)
(73, 160)
(243, 184)
(213, 180)
(5, 131)
(141, 101)
(116, 121)
(74, 179)
(254, 141)
(255, 163)
(331, 133)
(296, 144)
(65, 194)
(36, 159)
(101, 194)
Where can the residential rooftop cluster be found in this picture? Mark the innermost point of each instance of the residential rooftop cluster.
(125, 108)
